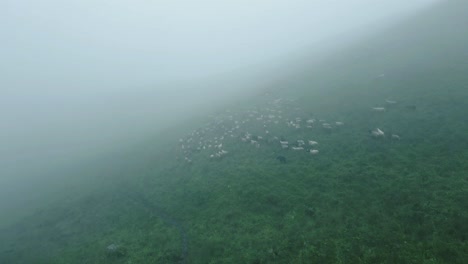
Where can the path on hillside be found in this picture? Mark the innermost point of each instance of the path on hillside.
(140, 199)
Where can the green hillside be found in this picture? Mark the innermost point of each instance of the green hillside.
(224, 190)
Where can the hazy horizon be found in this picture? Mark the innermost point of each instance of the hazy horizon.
(80, 77)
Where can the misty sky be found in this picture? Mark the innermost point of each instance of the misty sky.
(71, 71)
(82, 44)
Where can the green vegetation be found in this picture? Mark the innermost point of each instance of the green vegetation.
(360, 200)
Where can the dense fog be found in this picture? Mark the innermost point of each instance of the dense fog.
(81, 77)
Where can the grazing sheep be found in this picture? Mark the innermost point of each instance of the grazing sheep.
(377, 133)
(255, 143)
(297, 148)
(313, 143)
(326, 125)
(314, 151)
(394, 136)
(378, 109)
(219, 154)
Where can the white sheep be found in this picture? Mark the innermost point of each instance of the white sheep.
(377, 133)
(314, 151)
(378, 109)
(297, 148)
(326, 125)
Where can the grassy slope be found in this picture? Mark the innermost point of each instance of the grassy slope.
(359, 201)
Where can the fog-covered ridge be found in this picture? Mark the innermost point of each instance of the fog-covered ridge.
(82, 77)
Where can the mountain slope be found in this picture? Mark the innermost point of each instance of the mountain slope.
(361, 199)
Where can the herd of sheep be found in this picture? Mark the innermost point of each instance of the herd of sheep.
(257, 127)
(262, 126)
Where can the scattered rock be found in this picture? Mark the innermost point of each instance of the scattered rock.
(282, 159)
(411, 107)
(114, 250)
(310, 211)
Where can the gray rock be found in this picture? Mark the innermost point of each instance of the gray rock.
(115, 250)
